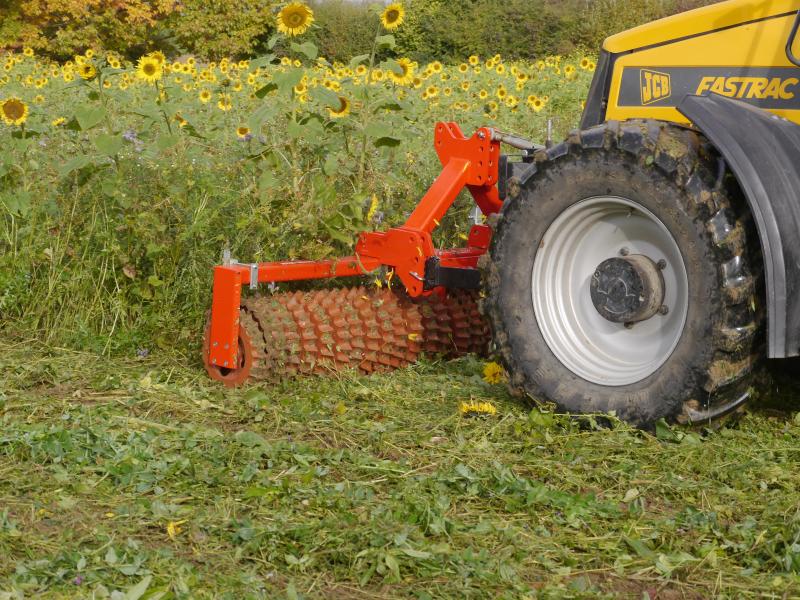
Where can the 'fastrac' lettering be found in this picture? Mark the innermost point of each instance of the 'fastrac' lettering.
(749, 87)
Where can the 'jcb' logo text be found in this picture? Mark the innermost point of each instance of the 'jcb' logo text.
(654, 85)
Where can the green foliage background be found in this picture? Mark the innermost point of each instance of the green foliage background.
(434, 29)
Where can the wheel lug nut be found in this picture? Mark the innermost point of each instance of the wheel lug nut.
(663, 309)
(624, 251)
(662, 264)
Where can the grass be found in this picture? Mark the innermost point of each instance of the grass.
(138, 478)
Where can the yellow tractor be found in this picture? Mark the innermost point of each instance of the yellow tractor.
(630, 268)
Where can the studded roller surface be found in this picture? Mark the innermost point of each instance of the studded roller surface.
(371, 330)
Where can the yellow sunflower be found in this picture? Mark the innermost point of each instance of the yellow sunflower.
(58, 122)
(27, 51)
(14, 111)
(537, 105)
(224, 102)
(342, 110)
(149, 69)
(295, 19)
(204, 96)
(87, 71)
(159, 56)
(474, 60)
(392, 16)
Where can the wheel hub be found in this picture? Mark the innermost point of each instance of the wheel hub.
(627, 289)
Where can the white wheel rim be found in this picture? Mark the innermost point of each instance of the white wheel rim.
(590, 346)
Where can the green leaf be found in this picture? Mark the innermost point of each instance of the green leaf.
(74, 164)
(286, 81)
(306, 48)
(393, 65)
(357, 60)
(261, 61)
(387, 141)
(108, 144)
(166, 141)
(18, 202)
(325, 97)
(415, 553)
(137, 591)
(385, 41)
(382, 135)
(89, 116)
(264, 90)
(391, 105)
(638, 546)
(309, 129)
(250, 439)
(273, 40)
(393, 566)
(267, 182)
(265, 112)
(666, 433)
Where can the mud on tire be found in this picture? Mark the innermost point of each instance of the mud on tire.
(677, 176)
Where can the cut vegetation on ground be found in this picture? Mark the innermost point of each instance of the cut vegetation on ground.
(124, 476)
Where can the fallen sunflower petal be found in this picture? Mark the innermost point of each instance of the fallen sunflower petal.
(493, 373)
(174, 528)
(474, 409)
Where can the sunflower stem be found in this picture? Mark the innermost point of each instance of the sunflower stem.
(368, 78)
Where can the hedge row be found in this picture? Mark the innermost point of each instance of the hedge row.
(441, 29)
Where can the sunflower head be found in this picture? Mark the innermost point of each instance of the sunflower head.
(149, 69)
(295, 19)
(87, 71)
(342, 110)
(14, 111)
(159, 56)
(224, 102)
(243, 132)
(406, 74)
(392, 16)
(27, 51)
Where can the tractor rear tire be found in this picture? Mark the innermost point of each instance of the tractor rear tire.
(578, 216)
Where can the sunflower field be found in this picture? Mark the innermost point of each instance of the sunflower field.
(122, 182)
(127, 474)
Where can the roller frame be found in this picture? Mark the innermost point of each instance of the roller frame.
(467, 162)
